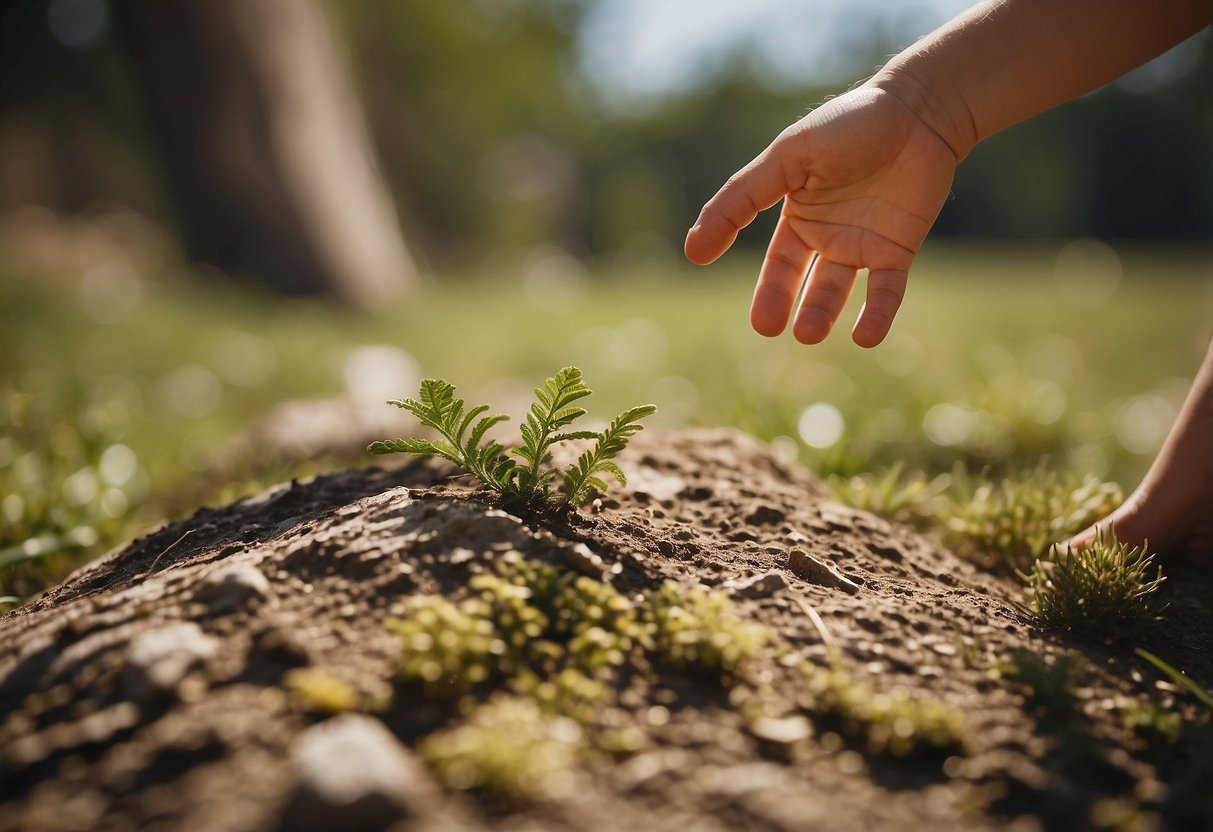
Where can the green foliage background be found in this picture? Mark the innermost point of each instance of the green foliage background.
(987, 333)
(548, 218)
(494, 137)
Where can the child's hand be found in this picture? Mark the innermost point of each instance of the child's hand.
(862, 179)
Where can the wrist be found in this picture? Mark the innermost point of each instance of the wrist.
(943, 111)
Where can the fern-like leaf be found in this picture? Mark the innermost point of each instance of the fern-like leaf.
(462, 439)
(552, 410)
(575, 434)
(389, 446)
(583, 476)
(436, 407)
(481, 428)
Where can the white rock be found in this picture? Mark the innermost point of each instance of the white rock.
(355, 774)
(157, 660)
(233, 587)
(658, 485)
(785, 731)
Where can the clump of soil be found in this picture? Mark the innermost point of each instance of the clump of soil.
(153, 689)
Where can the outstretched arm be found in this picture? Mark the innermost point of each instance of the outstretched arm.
(1004, 61)
(864, 176)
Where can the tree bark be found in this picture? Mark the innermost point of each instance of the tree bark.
(265, 145)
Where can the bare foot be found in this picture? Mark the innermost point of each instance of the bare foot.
(1176, 526)
(1172, 509)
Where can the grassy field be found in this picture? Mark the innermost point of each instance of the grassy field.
(113, 398)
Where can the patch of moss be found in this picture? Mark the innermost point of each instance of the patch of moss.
(448, 648)
(568, 693)
(533, 621)
(1012, 522)
(904, 496)
(592, 623)
(1103, 592)
(317, 691)
(550, 647)
(695, 628)
(509, 747)
(892, 723)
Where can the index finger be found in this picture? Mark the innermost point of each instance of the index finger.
(754, 188)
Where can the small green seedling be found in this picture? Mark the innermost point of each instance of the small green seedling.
(552, 412)
(1103, 592)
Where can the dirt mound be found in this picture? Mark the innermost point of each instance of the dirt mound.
(159, 688)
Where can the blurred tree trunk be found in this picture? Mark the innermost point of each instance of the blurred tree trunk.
(265, 145)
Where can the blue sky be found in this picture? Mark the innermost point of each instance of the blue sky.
(637, 49)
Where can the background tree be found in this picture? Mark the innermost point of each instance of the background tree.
(264, 145)
(494, 136)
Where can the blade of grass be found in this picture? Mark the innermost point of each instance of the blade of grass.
(1178, 677)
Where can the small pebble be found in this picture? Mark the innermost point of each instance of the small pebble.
(785, 731)
(761, 586)
(355, 774)
(817, 571)
(584, 560)
(233, 587)
(157, 660)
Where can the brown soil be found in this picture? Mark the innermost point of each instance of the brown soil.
(147, 691)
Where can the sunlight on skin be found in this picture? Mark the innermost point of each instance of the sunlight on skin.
(1172, 509)
(862, 180)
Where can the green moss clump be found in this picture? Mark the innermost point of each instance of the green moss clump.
(554, 645)
(892, 723)
(319, 692)
(594, 625)
(556, 641)
(510, 747)
(531, 621)
(1015, 521)
(448, 647)
(1103, 592)
(568, 693)
(903, 496)
(695, 628)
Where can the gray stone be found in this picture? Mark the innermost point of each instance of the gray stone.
(656, 484)
(584, 560)
(760, 586)
(233, 587)
(805, 566)
(157, 660)
(353, 775)
(782, 731)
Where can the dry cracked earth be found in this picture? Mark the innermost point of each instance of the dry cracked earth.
(149, 690)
